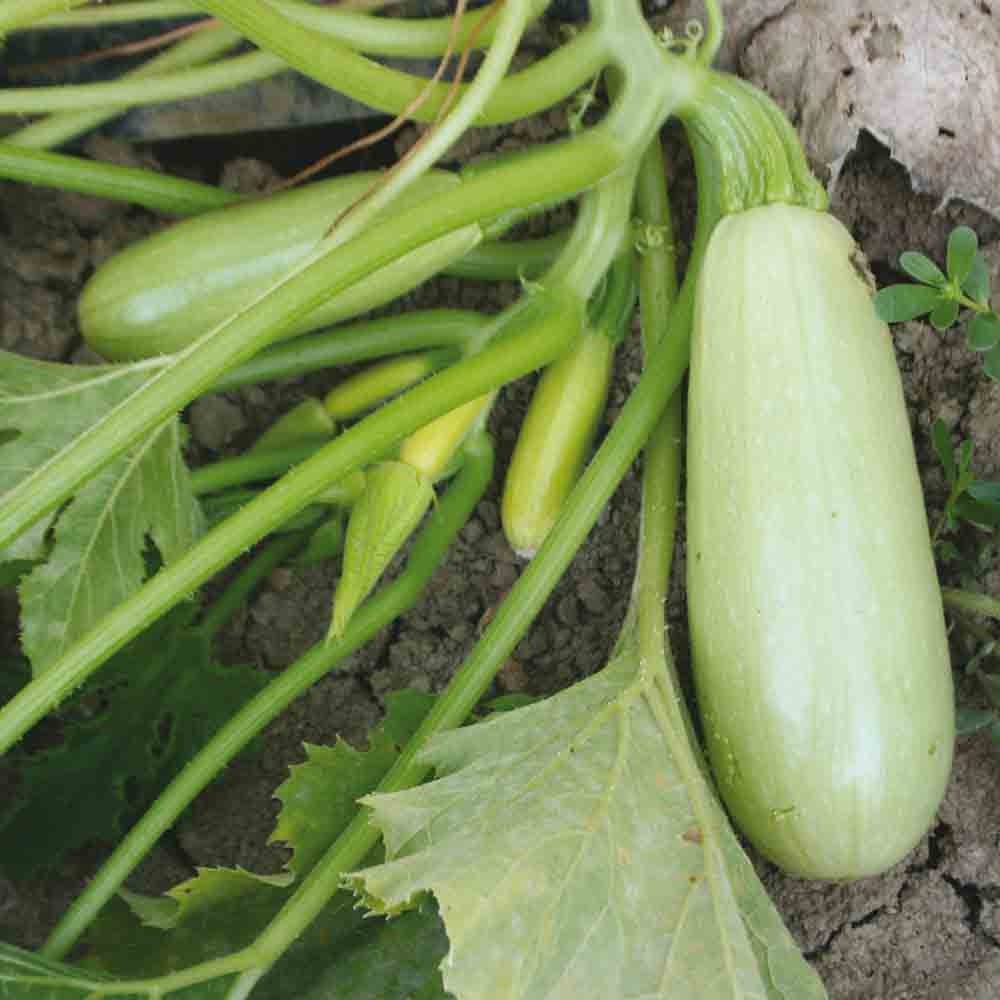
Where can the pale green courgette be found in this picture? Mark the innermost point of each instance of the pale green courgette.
(819, 647)
(160, 294)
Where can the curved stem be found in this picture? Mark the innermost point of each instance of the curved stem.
(430, 547)
(226, 74)
(714, 28)
(384, 36)
(159, 192)
(56, 129)
(540, 86)
(252, 467)
(362, 341)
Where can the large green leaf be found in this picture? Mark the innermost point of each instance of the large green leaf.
(577, 851)
(125, 736)
(96, 559)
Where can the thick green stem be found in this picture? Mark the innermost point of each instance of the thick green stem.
(200, 48)
(661, 457)
(444, 523)
(362, 341)
(158, 192)
(118, 95)
(253, 467)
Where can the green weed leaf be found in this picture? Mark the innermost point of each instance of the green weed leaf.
(944, 314)
(898, 303)
(971, 720)
(983, 333)
(985, 491)
(129, 731)
(991, 363)
(395, 498)
(976, 511)
(962, 246)
(922, 268)
(977, 284)
(96, 559)
(569, 857)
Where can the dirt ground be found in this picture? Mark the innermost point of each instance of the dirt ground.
(928, 930)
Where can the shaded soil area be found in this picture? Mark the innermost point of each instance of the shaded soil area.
(928, 930)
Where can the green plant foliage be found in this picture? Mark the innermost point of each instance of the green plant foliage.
(72, 398)
(942, 297)
(96, 557)
(379, 960)
(320, 796)
(974, 720)
(221, 910)
(123, 738)
(575, 849)
(969, 499)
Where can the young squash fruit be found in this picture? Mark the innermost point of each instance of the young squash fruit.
(820, 656)
(160, 294)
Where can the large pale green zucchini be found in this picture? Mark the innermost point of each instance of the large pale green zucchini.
(162, 293)
(820, 655)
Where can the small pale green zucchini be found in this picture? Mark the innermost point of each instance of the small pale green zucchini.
(555, 439)
(819, 648)
(162, 293)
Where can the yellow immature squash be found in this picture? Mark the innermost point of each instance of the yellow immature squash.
(820, 656)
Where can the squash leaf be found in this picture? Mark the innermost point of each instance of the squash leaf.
(72, 397)
(125, 735)
(576, 850)
(96, 558)
(319, 798)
